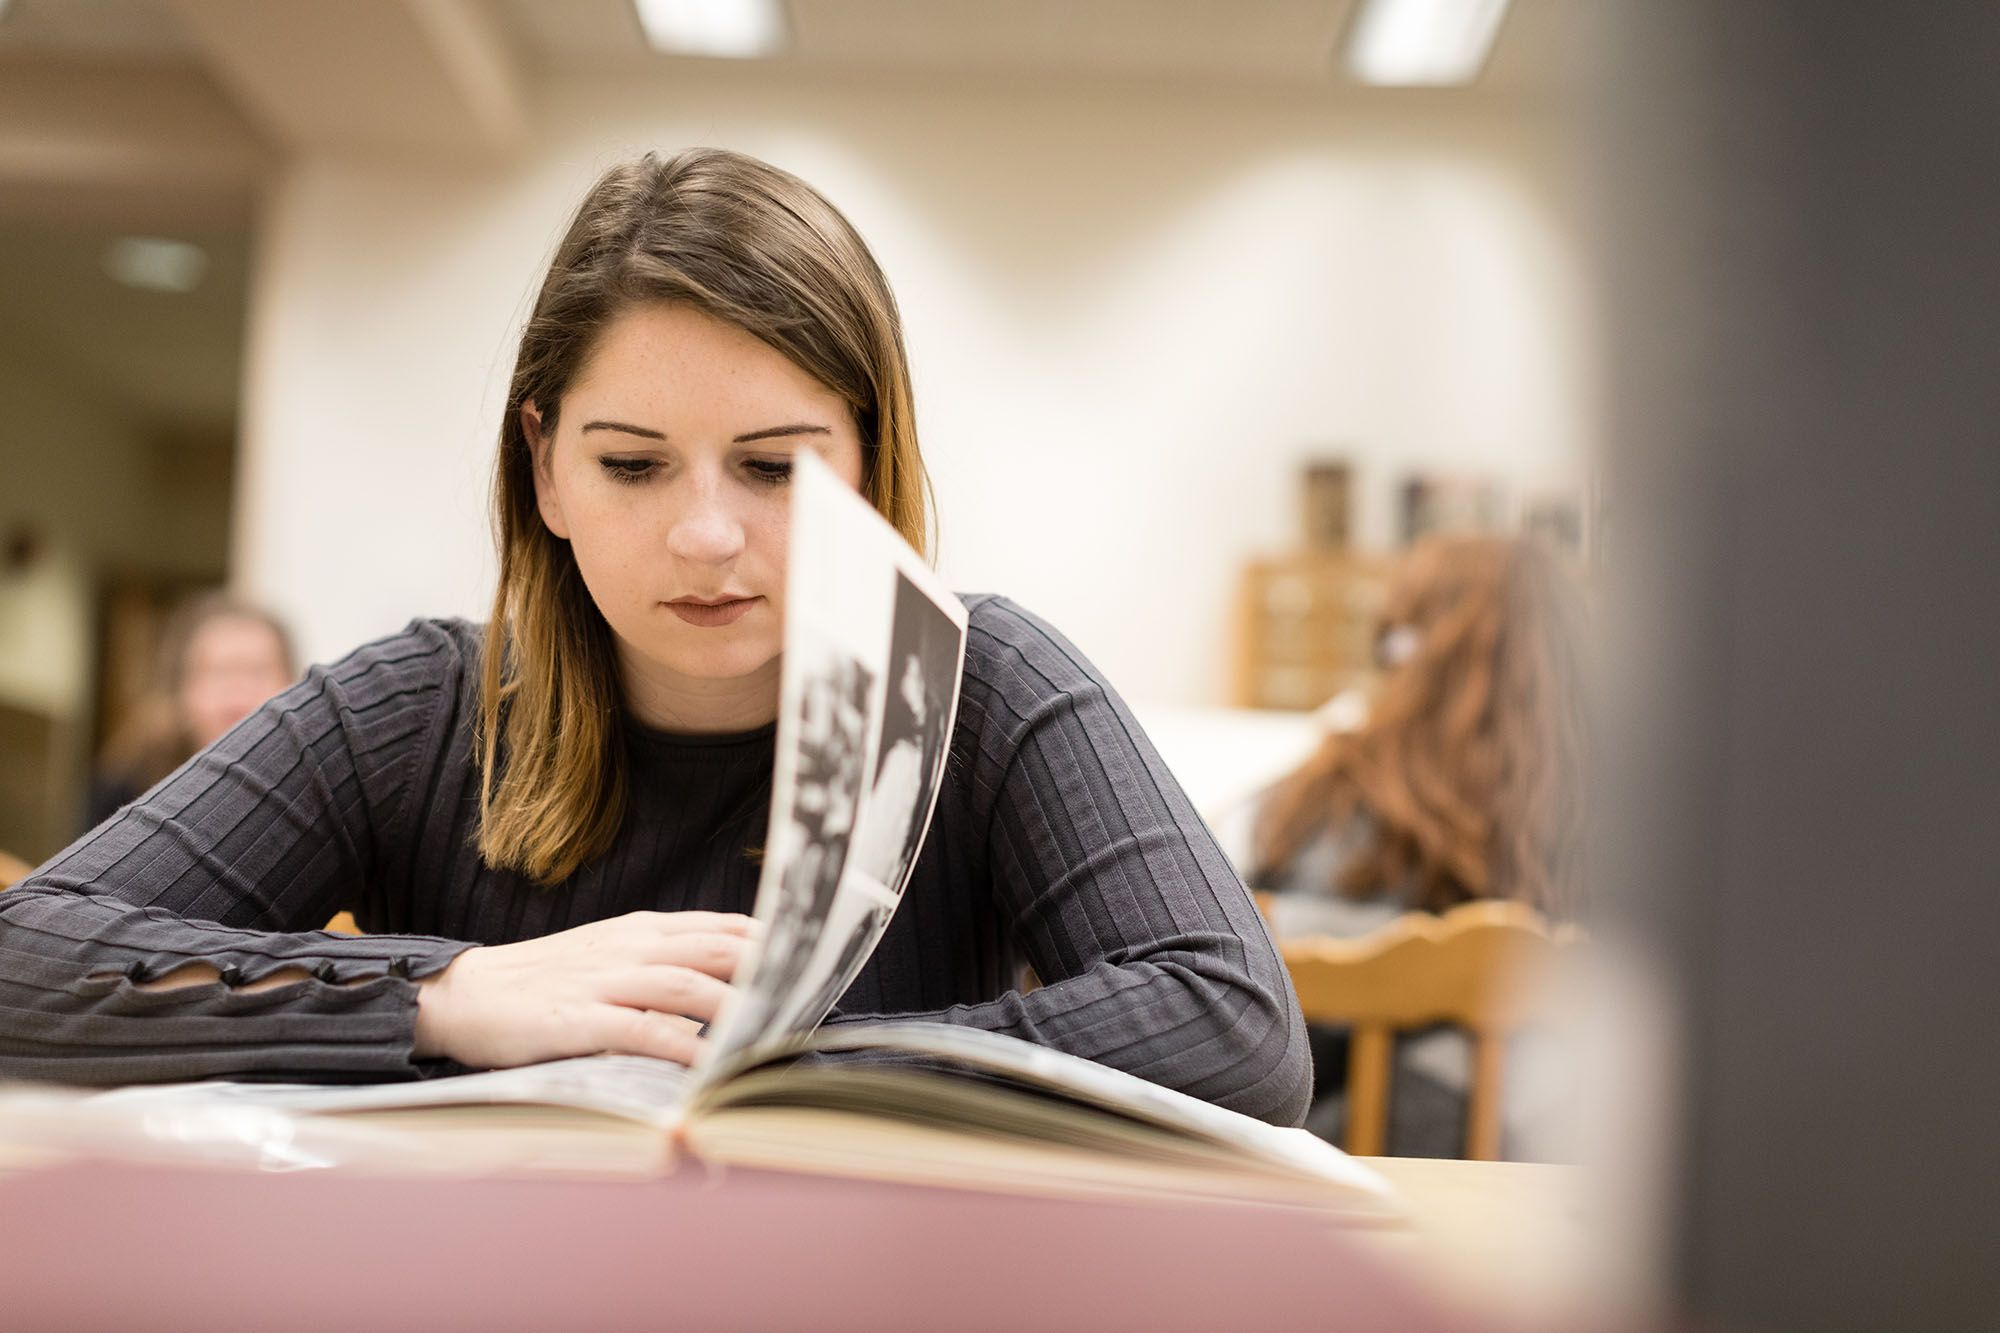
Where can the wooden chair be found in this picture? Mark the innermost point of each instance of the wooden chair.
(12, 870)
(1462, 968)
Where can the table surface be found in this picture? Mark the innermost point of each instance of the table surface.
(1490, 1237)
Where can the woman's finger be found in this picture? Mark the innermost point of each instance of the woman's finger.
(666, 990)
(617, 1030)
(718, 956)
(697, 923)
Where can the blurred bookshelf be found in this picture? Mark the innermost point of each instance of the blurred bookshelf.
(1307, 616)
(1305, 627)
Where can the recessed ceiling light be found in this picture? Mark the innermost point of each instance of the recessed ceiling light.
(733, 29)
(156, 265)
(1423, 43)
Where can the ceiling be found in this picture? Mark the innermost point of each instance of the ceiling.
(86, 87)
(166, 362)
(1288, 42)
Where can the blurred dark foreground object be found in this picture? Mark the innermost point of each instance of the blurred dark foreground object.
(1800, 203)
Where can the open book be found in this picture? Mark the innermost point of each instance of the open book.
(874, 648)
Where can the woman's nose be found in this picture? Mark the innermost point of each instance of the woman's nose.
(705, 531)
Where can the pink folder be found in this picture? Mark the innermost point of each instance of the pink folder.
(103, 1246)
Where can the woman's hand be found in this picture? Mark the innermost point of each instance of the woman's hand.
(641, 984)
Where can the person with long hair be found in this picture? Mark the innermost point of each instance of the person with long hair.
(219, 658)
(1462, 782)
(549, 824)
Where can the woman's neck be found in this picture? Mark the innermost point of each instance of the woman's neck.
(667, 701)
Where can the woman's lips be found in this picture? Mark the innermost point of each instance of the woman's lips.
(710, 614)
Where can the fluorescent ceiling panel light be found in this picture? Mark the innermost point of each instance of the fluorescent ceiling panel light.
(732, 29)
(154, 265)
(1423, 43)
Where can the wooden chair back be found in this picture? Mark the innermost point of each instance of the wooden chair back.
(1464, 968)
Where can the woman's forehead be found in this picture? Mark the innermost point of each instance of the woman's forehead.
(668, 356)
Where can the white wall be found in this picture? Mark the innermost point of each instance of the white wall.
(1131, 311)
(76, 475)
(45, 628)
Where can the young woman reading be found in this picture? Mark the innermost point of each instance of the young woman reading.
(548, 824)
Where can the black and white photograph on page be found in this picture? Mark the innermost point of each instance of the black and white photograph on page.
(919, 650)
(832, 755)
(860, 604)
(857, 923)
(923, 675)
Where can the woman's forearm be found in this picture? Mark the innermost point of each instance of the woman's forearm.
(100, 992)
(1177, 1020)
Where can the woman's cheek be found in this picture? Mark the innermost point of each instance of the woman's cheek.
(767, 543)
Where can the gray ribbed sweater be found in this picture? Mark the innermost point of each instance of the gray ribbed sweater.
(1059, 840)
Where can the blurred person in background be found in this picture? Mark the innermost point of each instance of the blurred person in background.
(550, 825)
(219, 659)
(1461, 782)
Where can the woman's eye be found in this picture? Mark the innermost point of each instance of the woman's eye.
(769, 470)
(627, 469)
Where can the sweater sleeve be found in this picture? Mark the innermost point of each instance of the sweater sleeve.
(234, 860)
(1153, 956)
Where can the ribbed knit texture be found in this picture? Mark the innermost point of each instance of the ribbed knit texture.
(1060, 840)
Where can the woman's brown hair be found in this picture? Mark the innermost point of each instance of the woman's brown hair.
(744, 243)
(1466, 770)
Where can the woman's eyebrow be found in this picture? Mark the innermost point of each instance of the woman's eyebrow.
(768, 433)
(775, 432)
(622, 428)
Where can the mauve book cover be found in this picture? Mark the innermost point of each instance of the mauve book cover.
(97, 1245)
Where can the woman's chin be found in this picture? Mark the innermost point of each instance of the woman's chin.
(717, 664)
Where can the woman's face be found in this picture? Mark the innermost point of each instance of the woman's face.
(668, 475)
(232, 665)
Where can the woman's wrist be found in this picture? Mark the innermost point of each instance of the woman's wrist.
(434, 994)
